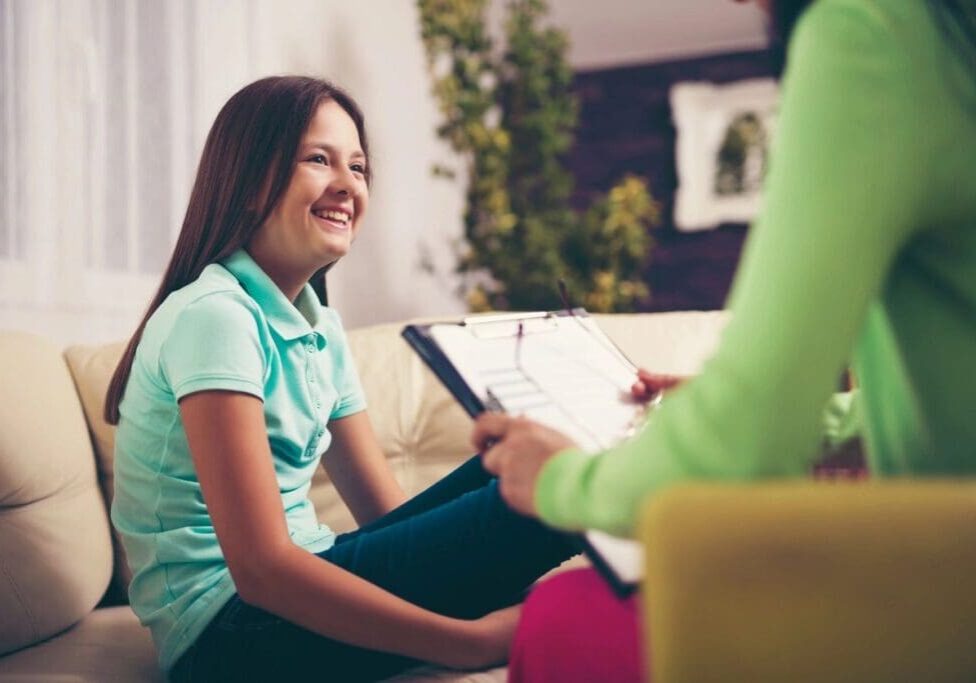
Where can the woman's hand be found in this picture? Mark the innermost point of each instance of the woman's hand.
(514, 449)
(649, 385)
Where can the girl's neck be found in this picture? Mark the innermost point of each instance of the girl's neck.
(290, 280)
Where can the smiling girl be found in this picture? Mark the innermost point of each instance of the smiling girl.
(229, 394)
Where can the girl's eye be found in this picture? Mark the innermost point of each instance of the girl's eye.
(319, 159)
(359, 168)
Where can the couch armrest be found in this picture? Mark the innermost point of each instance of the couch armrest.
(811, 582)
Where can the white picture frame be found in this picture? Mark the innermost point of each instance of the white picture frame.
(724, 134)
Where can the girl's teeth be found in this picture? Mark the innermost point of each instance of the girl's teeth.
(332, 215)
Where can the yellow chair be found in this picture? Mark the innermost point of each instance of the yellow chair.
(811, 581)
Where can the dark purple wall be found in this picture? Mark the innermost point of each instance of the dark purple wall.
(625, 127)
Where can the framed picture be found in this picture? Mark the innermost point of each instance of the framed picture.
(723, 138)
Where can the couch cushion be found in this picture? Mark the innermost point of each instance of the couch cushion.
(433, 674)
(107, 645)
(55, 548)
(110, 645)
(92, 368)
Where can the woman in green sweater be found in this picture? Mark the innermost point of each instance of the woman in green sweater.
(864, 254)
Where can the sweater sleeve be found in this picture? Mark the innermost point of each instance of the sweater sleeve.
(841, 198)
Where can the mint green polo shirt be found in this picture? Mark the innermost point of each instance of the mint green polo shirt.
(231, 329)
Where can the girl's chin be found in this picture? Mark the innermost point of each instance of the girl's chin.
(334, 237)
(333, 250)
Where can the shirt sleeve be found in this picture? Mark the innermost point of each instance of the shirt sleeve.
(841, 198)
(214, 343)
(351, 396)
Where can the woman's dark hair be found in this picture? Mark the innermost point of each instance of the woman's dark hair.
(955, 18)
(246, 165)
(784, 15)
(957, 21)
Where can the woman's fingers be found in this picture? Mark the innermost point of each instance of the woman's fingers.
(514, 449)
(489, 427)
(658, 381)
(649, 384)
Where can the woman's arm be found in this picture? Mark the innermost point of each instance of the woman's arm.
(358, 468)
(845, 191)
(229, 445)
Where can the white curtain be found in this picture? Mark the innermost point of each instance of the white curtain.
(104, 106)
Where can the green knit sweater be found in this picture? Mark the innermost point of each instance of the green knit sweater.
(865, 251)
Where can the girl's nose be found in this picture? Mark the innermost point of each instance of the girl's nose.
(343, 182)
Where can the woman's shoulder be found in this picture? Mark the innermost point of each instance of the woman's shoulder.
(881, 19)
(848, 48)
(907, 45)
(877, 8)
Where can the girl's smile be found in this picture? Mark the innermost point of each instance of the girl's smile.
(333, 218)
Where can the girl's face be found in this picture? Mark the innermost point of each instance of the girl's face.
(322, 208)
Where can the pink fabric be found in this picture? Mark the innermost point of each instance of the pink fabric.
(575, 629)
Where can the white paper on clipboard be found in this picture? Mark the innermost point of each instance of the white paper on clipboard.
(562, 371)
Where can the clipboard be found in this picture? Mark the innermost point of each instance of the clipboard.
(557, 367)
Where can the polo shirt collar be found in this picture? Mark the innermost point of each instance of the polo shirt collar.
(289, 320)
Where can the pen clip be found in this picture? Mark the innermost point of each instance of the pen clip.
(492, 403)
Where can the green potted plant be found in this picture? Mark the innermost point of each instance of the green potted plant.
(511, 117)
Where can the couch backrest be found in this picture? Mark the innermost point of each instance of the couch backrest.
(55, 548)
(675, 343)
(422, 430)
(92, 368)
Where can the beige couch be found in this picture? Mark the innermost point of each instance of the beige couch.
(60, 569)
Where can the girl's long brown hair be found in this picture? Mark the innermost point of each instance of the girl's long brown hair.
(246, 165)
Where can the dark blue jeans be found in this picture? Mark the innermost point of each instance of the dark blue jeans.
(455, 549)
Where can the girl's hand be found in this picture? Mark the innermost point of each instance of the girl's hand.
(514, 449)
(490, 639)
(649, 385)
